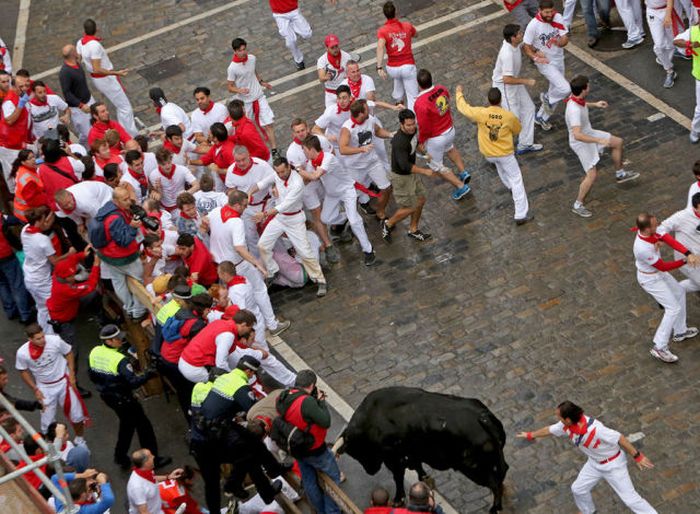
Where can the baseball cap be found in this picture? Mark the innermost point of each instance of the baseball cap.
(331, 40)
(111, 331)
(248, 362)
(66, 268)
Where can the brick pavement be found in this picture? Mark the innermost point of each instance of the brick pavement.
(521, 317)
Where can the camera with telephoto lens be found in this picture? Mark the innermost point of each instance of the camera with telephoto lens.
(139, 214)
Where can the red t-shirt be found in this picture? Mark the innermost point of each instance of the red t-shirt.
(98, 129)
(247, 135)
(397, 35)
(283, 6)
(220, 154)
(433, 112)
(202, 262)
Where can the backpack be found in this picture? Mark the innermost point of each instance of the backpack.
(96, 231)
(289, 438)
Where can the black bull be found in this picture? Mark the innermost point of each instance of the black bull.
(406, 427)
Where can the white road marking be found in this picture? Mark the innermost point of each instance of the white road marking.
(637, 436)
(339, 405)
(656, 117)
(155, 33)
(20, 34)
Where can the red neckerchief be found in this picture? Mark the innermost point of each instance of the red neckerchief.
(158, 108)
(209, 107)
(653, 239)
(235, 280)
(239, 59)
(240, 171)
(146, 475)
(553, 23)
(139, 176)
(170, 146)
(340, 109)
(86, 39)
(228, 212)
(355, 123)
(74, 204)
(298, 141)
(35, 351)
(577, 100)
(335, 60)
(35, 101)
(576, 428)
(318, 160)
(355, 87)
(696, 214)
(74, 66)
(169, 175)
(183, 215)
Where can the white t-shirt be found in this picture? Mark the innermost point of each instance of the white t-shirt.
(173, 186)
(366, 86)
(257, 172)
(181, 156)
(332, 120)
(100, 172)
(225, 236)
(207, 201)
(89, 197)
(543, 36)
(361, 135)
(37, 249)
(51, 365)
(93, 50)
(682, 225)
(150, 164)
(143, 492)
(45, 117)
(173, 114)
(296, 155)
(598, 443)
(135, 184)
(289, 192)
(508, 63)
(336, 75)
(201, 121)
(336, 179)
(242, 295)
(243, 75)
(694, 188)
(8, 108)
(577, 116)
(645, 255)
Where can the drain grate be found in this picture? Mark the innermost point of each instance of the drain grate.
(162, 69)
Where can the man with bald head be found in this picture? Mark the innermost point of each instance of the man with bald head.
(76, 92)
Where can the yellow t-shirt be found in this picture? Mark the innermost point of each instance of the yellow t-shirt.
(496, 127)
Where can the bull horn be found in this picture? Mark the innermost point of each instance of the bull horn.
(339, 443)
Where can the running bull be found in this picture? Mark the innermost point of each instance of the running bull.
(406, 427)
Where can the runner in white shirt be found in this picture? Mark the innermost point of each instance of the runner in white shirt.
(46, 365)
(333, 117)
(206, 199)
(228, 243)
(169, 180)
(588, 144)
(359, 156)
(332, 67)
(207, 113)
(170, 113)
(80, 202)
(247, 85)
(183, 149)
(142, 488)
(340, 189)
(47, 111)
(104, 76)
(140, 143)
(544, 41)
(287, 217)
(653, 276)
(243, 174)
(135, 176)
(516, 99)
(5, 58)
(664, 22)
(690, 39)
(683, 227)
(607, 452)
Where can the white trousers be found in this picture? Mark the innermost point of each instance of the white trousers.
(631, 13)
(671, 296)
(331, 215)
(295, 228)
(257, 282)
(438, 146)
(695, 125)
(517, 100)
(271, 365)
(405, 83)
(616, 474)
(662, 36)
(55, 397)
(290, 25)
(559, 87)
(7, 157)
(192, 373)
(376, 173)
(313, 195)
(81, 122)
(569, 10)
(509, 172)
(119, 277)
(113, 90)
(41, 294)
(251, 227)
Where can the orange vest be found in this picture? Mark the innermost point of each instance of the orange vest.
(24, 177)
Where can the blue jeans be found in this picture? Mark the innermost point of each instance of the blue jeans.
(15, 298)
(324, 462)
(589, 15)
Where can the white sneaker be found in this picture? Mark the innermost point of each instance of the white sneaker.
(582, 211)
(546, 106)
(688, 334)
(626, 176)
(694, 137)
(663, 355)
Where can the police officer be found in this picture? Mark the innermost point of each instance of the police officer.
(113, 375)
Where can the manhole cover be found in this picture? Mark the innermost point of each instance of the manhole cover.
(162, 69)
(610, 40)
(407, 7)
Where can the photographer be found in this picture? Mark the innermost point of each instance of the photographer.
(90, 491)
(115, 234)
(420, 499)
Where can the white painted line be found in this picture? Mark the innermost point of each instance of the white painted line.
(155, 33)
(637, 436)
(20, 34)
(656, 117)
(339, 405)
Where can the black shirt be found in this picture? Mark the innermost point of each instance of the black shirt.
(74, 85)
(403, 153)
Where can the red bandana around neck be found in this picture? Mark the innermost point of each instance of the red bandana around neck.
(298, 141)
(170, 146)
(334, 60)
(355, 87)
(35, 101)
(235, 281)
(146, 475)
(228, 212)
(86, 39)
(577, 100)
(355, 123)
(207, 108)
(241, 171)
(239, 59)
(168, 175)
(579, 428)
(139, 176)
(318, 160)
(553, 23)
(346, 109)
(35, 351)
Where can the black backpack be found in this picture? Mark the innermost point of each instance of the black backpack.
(296, 442)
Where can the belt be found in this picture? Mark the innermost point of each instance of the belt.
(98, 75)
(331, 91)
(610, 459)
(261, 202)
(647, 272)
(55, 381)
(291, 213)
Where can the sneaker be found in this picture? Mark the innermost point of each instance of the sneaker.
(355, 57)
(688, 334)
(670, 79)
(386, 231)
(631, 43)
(534, 147)
(542, 123)
(626, 176)
(582, 211)
(658, 61)
(663, 355)
(548, 109)
(522, 221)
(300, 65)
(459, 193)
(370, 258)
(465, 176)
(281, 327)
(322, 289)
(332, 255)
(694, 137)
(419, 235)
(367, 209)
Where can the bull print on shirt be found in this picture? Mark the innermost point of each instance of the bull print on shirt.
(364, 137)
